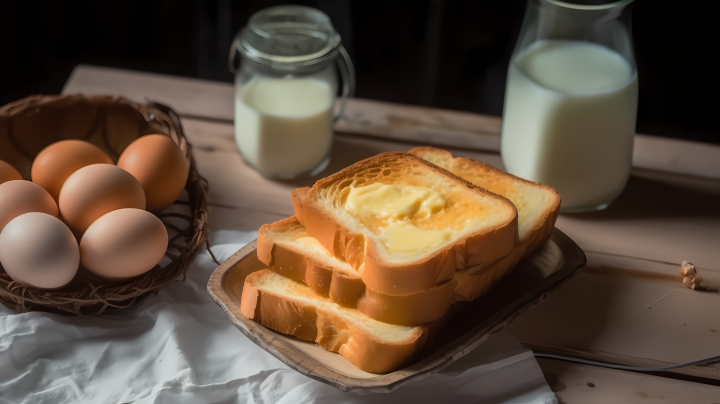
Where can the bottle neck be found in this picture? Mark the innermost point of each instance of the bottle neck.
(554, 20)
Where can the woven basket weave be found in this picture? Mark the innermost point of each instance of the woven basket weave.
(111, 123)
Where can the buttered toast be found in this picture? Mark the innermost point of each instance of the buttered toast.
(287, 306)
(375, 255)
(286, 248)
(537, 204)
(406, 225)
(537, 207)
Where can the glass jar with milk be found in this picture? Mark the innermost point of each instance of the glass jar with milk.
(285, 90)
(571, 100)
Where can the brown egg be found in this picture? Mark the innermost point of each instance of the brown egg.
(8, 173)
(38, 250)
(160, 166)
(123, 244)
(95, 190)
(55, 163)
(19, 197)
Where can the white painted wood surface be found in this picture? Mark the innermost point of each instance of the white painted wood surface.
(207, 99)
(628, 311)
(660, 217)
(576, 383)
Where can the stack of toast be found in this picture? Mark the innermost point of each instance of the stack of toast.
(376, 253)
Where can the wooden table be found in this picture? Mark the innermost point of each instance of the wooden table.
(627, 306)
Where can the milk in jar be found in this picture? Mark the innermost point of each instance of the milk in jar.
(284, 126)
(569, 120)
(286, 88)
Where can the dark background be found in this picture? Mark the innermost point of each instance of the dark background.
(438, 53)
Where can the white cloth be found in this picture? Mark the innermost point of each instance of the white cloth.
(179, 347)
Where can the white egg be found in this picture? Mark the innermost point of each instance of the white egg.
(39, 250)
(123, 244)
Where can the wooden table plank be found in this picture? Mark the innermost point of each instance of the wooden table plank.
(628, 311)
(577, 383)
(660, 217)
(213, 100)
(190, 97)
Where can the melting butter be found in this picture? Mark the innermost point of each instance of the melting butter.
(394, 201)
(405, 236)
(313, 243)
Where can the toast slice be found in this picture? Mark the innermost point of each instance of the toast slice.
(406, 225)
(298, 195)
(473, 283)
(286, 248)
(289, 307)
(537, 204)
(537, 207)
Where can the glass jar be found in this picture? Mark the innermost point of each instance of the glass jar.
(571, 101)
(285, 90)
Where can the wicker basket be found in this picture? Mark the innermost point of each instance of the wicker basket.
(111, 123)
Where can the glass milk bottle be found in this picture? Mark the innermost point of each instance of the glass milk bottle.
(571, 101)
(285, 90)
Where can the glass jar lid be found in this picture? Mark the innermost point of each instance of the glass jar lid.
(590, 4)
(288, 36)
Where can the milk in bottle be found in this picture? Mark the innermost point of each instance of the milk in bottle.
(569, 120)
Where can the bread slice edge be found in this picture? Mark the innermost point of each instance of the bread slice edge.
(332, 278)
(336, 329)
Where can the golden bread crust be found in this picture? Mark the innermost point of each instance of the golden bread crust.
(297, 198)
(405, 278)
(540, 229)
(321, 321)
(347, 288)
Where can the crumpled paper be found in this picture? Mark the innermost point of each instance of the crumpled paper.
(179, 347)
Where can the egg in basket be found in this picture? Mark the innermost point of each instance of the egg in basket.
(100, 203)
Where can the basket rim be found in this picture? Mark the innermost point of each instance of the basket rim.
(96, 296)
